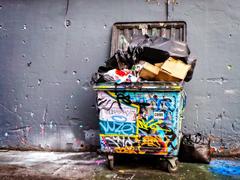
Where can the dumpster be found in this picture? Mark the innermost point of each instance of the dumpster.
(142, 118)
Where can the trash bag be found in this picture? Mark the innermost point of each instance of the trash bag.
(151, 49)
(147, 49)
(119, 60)
(122, 59)
(153, 55)
(189, 75)
(158, 49)
(97, 78)
(195, 148)
(174, 48)
(140, 41)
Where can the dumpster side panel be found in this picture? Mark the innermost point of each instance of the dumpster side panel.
(140, 122)
(116, 117)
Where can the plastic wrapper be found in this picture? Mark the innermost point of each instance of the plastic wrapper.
(120, 76)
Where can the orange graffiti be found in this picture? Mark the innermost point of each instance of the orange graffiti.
(125, 149)
(151, 141)
(157, 142)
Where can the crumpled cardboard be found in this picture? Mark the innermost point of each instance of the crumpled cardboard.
(175, 68)
(149, 71)
(164, 76)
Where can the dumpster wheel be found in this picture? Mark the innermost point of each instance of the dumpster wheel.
(172, 165)
(110, 162)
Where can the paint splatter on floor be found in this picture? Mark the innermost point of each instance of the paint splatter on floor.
(225, 167)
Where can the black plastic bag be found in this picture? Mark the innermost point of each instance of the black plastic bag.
(158, 49)
(174, 48)
(195, 148)
(153, 55)
(189, 75)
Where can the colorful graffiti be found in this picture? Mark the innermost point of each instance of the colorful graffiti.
(134, 144)
(147, 121)
(116, 127)
(111, 108)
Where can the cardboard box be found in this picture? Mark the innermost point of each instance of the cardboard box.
(151, 68)
(164, 76)
(171, 70)
(149, 71)
(175, 68)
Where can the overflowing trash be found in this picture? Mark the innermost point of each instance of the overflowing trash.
(148, 58)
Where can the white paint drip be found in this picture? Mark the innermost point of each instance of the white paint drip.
(231, 91)
(220, 80)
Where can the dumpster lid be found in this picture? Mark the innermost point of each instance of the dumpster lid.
(123, 32)
(139, 86)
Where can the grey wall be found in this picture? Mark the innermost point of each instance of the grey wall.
(50, 48)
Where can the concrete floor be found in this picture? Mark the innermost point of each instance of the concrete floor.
(89, 165)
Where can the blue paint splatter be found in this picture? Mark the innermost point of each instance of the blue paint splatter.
(225, 167)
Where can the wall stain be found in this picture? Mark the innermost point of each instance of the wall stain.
(39, 82)
(29, 64)
(232, 91)
(219, 80)
(229, 67)
(45, 113)
(14, 113)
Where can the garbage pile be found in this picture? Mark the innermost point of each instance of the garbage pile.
(148, 58)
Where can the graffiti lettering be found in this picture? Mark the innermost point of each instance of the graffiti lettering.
(109, 109)
(105, 104)
(119, 141)
(126, 150)
(153, 141)
(122, 98)
(116, 127)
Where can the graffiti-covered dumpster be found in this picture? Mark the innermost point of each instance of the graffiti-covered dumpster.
(141, 118)
(140, 94)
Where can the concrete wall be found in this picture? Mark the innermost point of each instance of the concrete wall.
(49, 50)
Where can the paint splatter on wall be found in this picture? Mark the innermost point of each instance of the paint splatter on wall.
(225, 167)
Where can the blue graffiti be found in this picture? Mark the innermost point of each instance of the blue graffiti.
(166, 104)
(160, 102)
(116, 127)
(225, 167)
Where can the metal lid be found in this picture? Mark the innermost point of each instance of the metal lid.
(123, 32)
